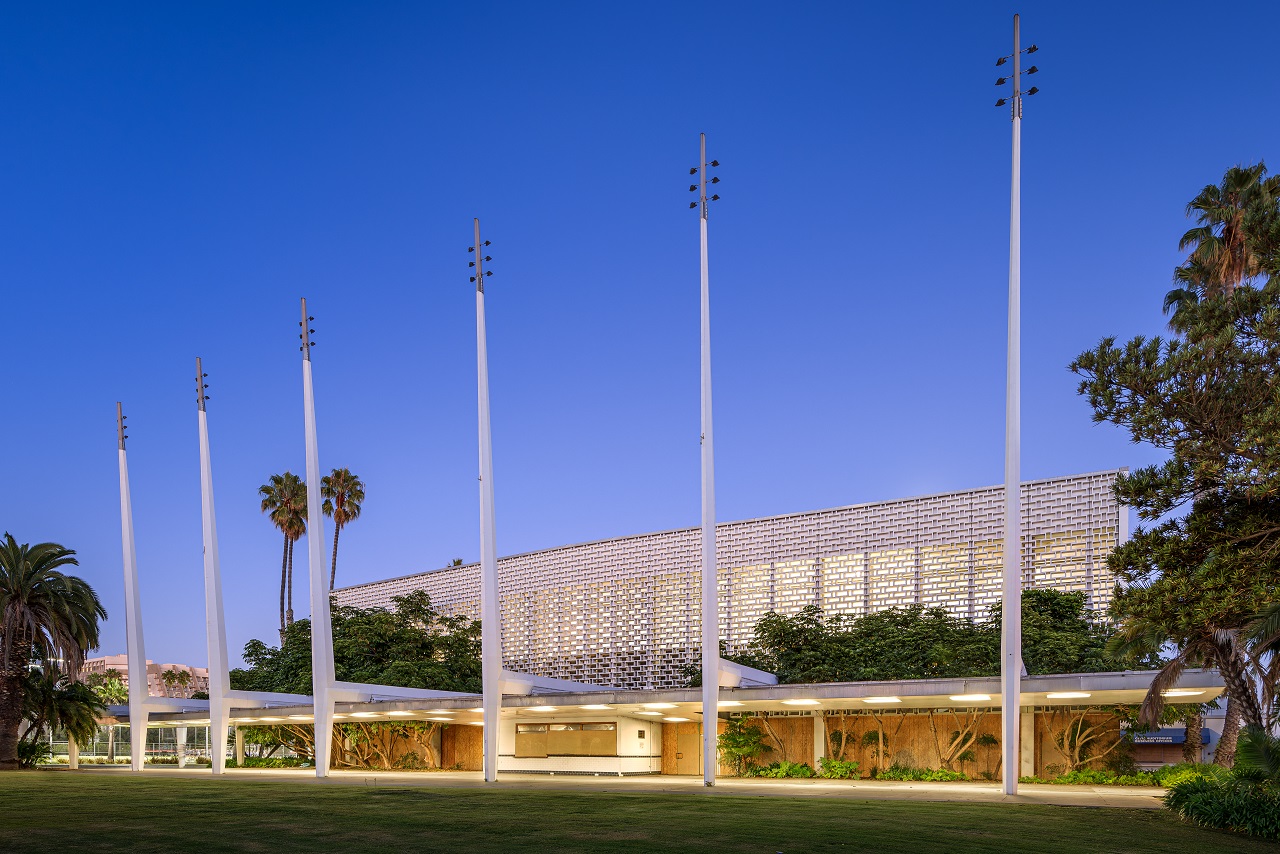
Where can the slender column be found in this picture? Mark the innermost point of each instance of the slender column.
(239, 747)
(215, 624)
(180, 744)
(132, 613)
(710, 609)
(490, 613)
(1011, 594)
(322, 673)
(73, 754)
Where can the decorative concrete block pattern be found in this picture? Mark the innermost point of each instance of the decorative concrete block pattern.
(624, 612)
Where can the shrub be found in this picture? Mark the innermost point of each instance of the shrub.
(271, 762)
(33, 753)
(781, 770)
(838, 769)
(1246, 806)
(922, 775)
(1172, 775)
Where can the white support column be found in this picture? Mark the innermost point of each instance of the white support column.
(819, 738)
(1011, 592)
(137, 665)
(322, 671)
(490, 612)
(215, 624)
(1027, 745)
(73, 754)
(180, 744)
(710, 605)
(239, 747)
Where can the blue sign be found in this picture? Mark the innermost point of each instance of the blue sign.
(1170, 735)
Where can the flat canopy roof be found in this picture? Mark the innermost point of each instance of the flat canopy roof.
(1075, 689)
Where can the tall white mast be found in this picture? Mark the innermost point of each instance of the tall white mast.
(1011, 582)
(322, 672)
(215, 624)
(132, 613)
(710, 604)
(490, 612)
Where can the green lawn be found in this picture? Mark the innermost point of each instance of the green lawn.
(100, 812)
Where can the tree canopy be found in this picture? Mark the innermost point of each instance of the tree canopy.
(1059, 636)
(410, 646)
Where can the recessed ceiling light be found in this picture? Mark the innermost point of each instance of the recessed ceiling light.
(676, 720)
(446, 711)
(800, 702)
(338, 717)
(659, 705)
(446, 720)
(400, 714)
(1181, 692)
(971, 698)
(299, 717)
(477, 711)
(364, 714)
(596, 706)
(543, 709)
(270, 719)
(1067, 695)
(726, 703)
(659, 714)
(881, 700)
(475, 723)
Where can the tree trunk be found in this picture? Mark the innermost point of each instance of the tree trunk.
(1193, 747)
(111, 743)
(333, 568)
(11, 682)
(284, 574)
(1225, 754)
(288, 614)
(1240, 688)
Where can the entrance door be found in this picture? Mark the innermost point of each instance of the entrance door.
(688, 749)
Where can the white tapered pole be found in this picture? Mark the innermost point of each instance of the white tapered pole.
(710, 604)
(132, 614)
(215, 623)
(322, 671)
(1011, 593)
(490, 613)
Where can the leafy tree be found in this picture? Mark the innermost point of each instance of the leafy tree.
(1210, 562)
(284, 498)
(343, 495)
(741, 743)
(411, 646)
(1059, 636)
(44, 613)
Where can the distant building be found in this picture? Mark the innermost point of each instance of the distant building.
(198, 677)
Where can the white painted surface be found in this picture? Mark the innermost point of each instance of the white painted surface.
(133, 626)
(710, 621)
(215, 624)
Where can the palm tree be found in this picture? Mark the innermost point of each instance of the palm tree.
(52, 700)
(1225, 650)
(1235, 220)
(42, 612)
(284, 497)
(343, 493)
(113, 691)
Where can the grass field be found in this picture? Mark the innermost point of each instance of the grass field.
(87, 812)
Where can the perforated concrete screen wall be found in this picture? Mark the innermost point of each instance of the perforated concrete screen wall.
(624, 612)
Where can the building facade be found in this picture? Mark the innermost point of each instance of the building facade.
(195, 681)
(624, 612)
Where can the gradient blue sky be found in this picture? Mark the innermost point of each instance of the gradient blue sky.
(176, 176)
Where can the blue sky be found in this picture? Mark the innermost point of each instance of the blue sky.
(176, 177)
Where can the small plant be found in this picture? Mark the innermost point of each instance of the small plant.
(838, 769)
(781, 770)
(922, 775)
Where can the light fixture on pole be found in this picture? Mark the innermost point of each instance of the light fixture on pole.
(215, 625)
(137, 664)
(490, 613)
(710, 593)
(322, 670)
(1011, 582)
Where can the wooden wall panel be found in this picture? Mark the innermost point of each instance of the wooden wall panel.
(463, 746)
